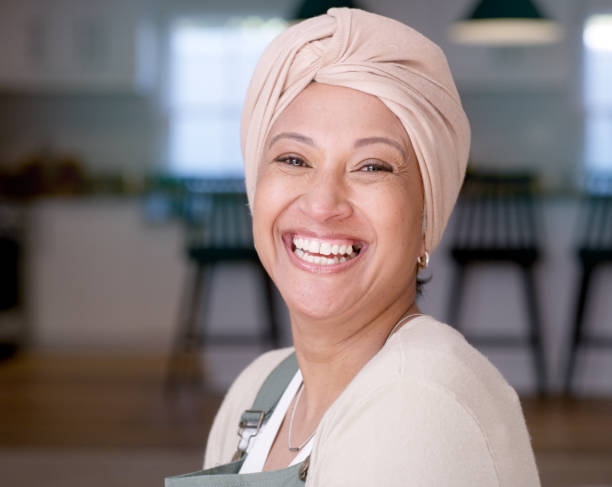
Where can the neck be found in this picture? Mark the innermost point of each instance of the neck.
(331, 353)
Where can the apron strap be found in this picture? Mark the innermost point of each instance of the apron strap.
(268, 396)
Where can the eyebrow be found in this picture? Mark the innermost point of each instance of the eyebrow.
(380, 140)
(291, 135)
(358, 143)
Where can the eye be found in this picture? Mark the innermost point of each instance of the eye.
(292, 161)
(375, 166)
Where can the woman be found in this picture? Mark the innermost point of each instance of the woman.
(355, 146)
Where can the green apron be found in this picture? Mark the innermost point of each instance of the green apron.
(250, 422)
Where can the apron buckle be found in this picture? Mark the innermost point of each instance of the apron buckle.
(249, 426)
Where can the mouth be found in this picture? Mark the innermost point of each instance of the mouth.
(324, 252)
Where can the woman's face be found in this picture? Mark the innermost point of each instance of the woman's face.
(337, 214)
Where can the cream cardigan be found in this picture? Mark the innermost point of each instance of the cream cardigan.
(427, 410)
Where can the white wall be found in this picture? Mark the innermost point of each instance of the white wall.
(109, 133)
(100, 276)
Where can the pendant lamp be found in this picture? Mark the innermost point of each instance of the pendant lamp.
(506, 23)
(312, 8)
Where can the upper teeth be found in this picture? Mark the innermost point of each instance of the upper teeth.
(321, 247)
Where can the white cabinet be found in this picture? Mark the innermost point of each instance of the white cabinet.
(76, 45)
(100, 276)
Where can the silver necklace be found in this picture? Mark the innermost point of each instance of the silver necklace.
(295, 404)
(401, 321)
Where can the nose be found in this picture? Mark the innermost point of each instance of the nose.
(325, 198)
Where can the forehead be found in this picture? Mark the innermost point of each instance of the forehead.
(323, 110)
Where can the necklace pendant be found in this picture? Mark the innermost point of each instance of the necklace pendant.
(294, 448)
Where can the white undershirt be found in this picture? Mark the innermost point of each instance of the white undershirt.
(259, 446)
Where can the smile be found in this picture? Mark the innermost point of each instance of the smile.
(325, 252)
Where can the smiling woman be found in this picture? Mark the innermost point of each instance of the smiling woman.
(355, 146)
(339, 171)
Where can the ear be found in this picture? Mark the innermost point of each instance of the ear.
(422, 248)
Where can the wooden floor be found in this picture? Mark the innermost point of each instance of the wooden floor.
(67, 418)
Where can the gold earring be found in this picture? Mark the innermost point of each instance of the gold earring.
(423, 260)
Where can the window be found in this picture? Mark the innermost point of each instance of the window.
(597, 41)
(209, 71)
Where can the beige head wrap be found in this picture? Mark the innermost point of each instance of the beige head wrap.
(381, 57)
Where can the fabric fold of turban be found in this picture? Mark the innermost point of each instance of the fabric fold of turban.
(379, 56)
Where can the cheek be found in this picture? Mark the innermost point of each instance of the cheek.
(399, 221)
(263, 210)
(272, 197)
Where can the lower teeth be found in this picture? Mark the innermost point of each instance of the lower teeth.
(320, 260)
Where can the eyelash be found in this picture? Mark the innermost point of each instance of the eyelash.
(288, 160)
(376, 166)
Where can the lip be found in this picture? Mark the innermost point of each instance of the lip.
(287, 238)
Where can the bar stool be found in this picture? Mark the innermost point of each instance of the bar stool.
(12, 237)
(495, 223)
(218, 226)
(594, 252)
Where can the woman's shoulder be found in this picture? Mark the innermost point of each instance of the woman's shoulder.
(427, 354)
(240, 396)
(433, 352)
(431, 406)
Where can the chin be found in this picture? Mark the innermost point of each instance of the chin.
(318, 305)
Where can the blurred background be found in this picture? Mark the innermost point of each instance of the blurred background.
(130, 295)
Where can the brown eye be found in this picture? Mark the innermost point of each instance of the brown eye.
(291, 161)
(376, 166)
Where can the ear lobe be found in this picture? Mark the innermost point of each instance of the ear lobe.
(423, 257)
(422, 248)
